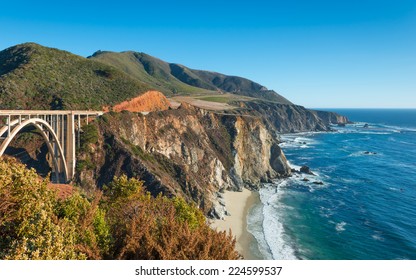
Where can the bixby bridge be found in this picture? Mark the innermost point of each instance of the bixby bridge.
(60, 130)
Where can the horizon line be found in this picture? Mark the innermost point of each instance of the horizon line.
(367, 108)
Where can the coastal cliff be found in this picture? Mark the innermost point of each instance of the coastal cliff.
(288, 118)
(331, 117)
(188, 152)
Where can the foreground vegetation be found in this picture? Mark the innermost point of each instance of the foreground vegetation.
(121, 222)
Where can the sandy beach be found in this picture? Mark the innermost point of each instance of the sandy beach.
(238, 205)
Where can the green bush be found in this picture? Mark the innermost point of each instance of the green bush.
(138, 151)
(145, 227)
(187, 213)
(89, 136)
(30, 224)
(86, 164)
(123, 222)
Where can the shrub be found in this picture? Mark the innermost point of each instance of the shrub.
(35, 224)
(89, 136)
(29, 228)
(145, 227)
(92, 231)
(124, 223)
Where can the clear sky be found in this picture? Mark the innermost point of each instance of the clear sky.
(316, 53)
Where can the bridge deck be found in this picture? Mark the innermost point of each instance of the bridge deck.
(48, 112)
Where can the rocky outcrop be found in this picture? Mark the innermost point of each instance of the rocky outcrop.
(305, 169)
(331, 117)
(187, 152)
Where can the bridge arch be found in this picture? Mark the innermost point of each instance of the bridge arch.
(45, 130)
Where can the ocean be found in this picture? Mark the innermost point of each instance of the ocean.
(366, 207)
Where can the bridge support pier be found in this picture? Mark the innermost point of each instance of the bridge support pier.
(58, 128)
(70, 145)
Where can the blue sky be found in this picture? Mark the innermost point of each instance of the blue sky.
(316, 53)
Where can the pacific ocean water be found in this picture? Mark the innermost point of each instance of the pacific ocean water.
(366, 207)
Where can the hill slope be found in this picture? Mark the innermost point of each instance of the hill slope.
(37, 77)
(171, 78)
(147, 69)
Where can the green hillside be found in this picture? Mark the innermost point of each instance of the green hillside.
(171, 78)
(149, 70)
(37, 77)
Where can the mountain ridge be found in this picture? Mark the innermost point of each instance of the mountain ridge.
(182, 77)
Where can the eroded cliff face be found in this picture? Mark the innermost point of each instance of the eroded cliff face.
(257, 154)
(188, 152)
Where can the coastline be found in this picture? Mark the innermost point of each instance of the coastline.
(239, 204)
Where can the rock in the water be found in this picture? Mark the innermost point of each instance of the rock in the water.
(366, 125)
(318, 183)
(369, 153)
(306, 169)
(305, 180)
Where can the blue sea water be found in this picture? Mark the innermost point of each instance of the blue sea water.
(366, 207)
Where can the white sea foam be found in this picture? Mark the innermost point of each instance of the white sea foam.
(377, 236)
(349, 180)
(265, 223)
(297, 140)
(392, 139)
(289, 145)
(305, 158)
(373, 128)
(292, 165)
(273, 229)
(326, 212)
(375, 132)
(255, 227)
(399, 128)
(340, 226)
(299, 179)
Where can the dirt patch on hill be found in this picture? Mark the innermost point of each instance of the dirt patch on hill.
(203, 104)
(147, 102)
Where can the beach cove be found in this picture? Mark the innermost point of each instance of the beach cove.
(238, 205)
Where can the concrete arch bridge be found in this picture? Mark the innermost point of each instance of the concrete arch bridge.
(59, 129)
